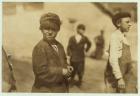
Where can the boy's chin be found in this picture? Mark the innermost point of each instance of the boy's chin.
(127, 30)
(50, 39)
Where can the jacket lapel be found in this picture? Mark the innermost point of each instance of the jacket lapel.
(52, 50)
(81, 40)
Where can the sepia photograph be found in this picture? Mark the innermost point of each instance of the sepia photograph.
(70, 47)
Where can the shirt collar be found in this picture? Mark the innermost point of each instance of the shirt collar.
(78, 35)
(121, 34)
(51, 42)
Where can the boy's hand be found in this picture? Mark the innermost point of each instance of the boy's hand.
(121, 83)
(65, 72)
(70, 68)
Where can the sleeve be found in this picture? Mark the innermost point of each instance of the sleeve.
(64, 57)
(69, 47)
(113, 58)
(42, 70)
(88, 44)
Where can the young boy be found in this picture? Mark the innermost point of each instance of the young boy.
(49, 59)
(76, 49)
(119, 76)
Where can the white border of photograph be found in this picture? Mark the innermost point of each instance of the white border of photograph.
(69, 94)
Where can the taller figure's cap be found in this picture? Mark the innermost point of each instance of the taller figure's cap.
(118, 16)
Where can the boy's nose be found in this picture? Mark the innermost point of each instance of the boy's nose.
(130, 24)
(50, 31)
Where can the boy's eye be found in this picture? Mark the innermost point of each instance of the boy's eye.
(127, 21)
(48, 28)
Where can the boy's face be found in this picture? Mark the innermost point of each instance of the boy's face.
(49, 34)
(81, 31)
(125, 24)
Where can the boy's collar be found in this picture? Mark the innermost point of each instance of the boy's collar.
(77, 34)
(121, 33)
(54, 42)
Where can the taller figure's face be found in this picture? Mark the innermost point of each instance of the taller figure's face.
(81, 31)
(49, 34)
(125, 24)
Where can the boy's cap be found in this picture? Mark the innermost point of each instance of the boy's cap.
(50, 20)
(120, 15)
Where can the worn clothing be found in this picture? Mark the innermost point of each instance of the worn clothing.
(122, 64)
(47, 67)
(75, 50)
(79, 68)
(60, 88)
(117, 38)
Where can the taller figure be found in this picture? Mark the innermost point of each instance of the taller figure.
(49, 59)
(119, 73)
(77, 46)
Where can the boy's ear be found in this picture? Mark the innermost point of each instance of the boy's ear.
(118, 22)
(42, 31)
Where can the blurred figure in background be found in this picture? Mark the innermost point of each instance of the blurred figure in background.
(77, 46)
(119, 73)
(100, 43)
(49, 60)
(9, 82)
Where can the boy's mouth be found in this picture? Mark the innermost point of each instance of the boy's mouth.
(49, 36)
